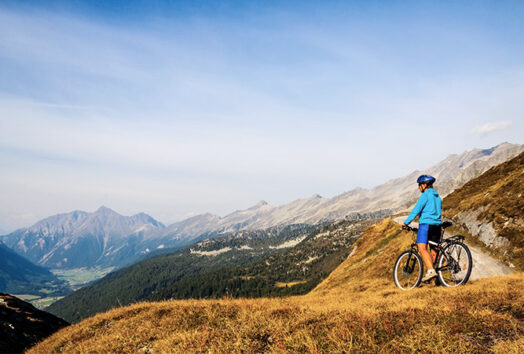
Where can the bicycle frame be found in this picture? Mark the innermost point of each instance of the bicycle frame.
(438, 248)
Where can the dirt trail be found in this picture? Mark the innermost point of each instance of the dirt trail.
(484, 266)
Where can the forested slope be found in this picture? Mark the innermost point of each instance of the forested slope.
(275, 262)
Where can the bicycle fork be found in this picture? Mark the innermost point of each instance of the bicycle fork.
(410, 263)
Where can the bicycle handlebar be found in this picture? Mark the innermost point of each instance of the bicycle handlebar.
(414, 229)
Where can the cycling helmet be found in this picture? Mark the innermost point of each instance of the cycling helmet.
(426, 179)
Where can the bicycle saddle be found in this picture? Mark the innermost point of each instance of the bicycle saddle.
(446, 224)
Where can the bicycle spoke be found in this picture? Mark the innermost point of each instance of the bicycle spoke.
(457, 267)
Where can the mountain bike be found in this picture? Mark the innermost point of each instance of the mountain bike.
(453, 263)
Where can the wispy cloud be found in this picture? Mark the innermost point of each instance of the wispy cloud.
(491, 127)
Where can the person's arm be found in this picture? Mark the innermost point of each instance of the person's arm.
(416, 209)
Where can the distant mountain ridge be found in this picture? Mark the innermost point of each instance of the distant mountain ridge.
(106, 238)
(80, 239)
(394, 195)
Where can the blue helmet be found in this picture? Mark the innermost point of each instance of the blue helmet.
(426, 179)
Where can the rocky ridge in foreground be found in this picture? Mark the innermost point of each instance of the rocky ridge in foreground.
(22, 325)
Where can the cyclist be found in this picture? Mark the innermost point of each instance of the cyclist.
(429, 208)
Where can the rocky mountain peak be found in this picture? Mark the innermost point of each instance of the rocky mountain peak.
(103, 210)
(259, 205)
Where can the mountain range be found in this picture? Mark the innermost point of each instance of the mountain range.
(80, 239)
(391, 196)
(106, 238)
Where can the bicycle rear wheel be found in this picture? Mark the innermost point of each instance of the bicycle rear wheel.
(455, 264)
(408, 270)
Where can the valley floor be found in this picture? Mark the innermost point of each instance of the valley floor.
(357, 308)
(80, 277)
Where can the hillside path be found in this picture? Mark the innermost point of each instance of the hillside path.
(484, 266)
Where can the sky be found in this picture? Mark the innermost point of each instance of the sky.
(182, 108)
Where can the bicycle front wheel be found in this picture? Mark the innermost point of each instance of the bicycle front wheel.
(455, 264)
(408, 270)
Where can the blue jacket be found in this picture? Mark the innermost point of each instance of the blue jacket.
(429, 207)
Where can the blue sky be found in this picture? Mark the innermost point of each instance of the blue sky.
(180, 108)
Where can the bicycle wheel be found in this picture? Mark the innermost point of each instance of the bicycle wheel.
(408, 270)
(455, 265)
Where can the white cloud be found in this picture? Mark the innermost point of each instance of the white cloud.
(490, 127)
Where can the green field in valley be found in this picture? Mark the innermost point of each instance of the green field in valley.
(80, 277)
(76, 278)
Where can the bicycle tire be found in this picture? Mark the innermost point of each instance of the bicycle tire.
(408, 276)
(459, 271)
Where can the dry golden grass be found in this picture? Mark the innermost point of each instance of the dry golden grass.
(357, 308)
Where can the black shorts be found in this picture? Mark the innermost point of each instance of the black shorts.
(429, 234)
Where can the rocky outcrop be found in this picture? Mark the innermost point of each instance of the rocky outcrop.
(482, 229)
(22, 325)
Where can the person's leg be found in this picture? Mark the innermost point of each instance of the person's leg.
(433, 254)
(434, 236)
(424, 254)
(422, 245)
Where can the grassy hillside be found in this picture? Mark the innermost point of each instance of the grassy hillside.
(357, 308)
(490, 208)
